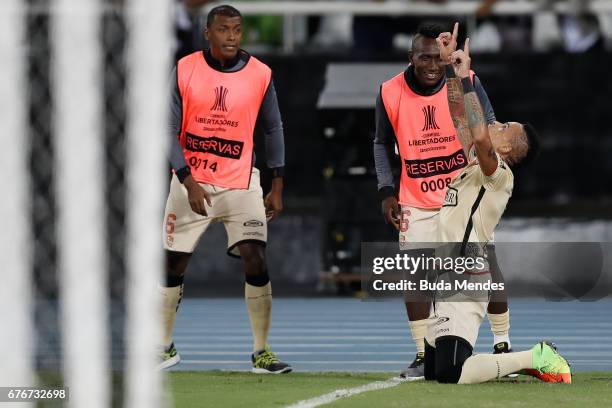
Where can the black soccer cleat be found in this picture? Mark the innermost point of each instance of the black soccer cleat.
(266, 362)
(501, 347)
(416, 370)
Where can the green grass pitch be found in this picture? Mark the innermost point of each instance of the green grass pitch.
(241, 389)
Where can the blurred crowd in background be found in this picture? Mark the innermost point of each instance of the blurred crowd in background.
(576, 30)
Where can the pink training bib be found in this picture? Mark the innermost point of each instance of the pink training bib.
(219, 114)
(429, 148)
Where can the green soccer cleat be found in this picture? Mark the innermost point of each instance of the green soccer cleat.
(168, 357)
(548, 364)
(266, 362)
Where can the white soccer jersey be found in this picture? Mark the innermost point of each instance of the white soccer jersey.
(474, 203)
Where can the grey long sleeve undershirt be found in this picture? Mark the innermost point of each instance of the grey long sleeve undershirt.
(268, 122)
(385, 138)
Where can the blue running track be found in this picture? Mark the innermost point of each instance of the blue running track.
(341, 334)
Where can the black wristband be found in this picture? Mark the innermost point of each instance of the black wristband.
(182, 173)
(278, 172)
(385, 192)
(450, 71)
(468, 86)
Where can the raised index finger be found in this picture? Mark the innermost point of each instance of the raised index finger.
(455, 31)
(466, 47)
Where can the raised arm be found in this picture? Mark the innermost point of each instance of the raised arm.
(487, 159)
(447, 43)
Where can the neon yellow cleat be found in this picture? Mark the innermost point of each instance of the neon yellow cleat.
(266, 362)
(168, 357)
(549, 365)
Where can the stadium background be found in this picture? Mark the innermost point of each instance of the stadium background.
(330, 189)
(331, 204)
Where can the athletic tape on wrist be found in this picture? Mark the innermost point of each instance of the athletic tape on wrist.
(467, 85)
(278, 172)
(183, 173)
(386, 191)
(450, 71)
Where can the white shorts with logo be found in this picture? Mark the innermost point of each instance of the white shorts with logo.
(459, 319)
(459, 313)
(418, 226)
(241, 211)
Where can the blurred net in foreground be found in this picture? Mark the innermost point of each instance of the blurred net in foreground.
(83, 209)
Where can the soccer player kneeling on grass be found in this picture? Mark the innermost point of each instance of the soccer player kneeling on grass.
(412, 112)
(474, 204)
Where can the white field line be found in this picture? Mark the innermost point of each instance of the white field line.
(345, 393)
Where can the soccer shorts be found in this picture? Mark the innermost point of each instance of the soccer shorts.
(241, 211)
(459, 314)
(418, 226)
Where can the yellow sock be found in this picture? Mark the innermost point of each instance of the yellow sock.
(259, 305)
(171, 297)
(418, 329)
(500, 326)
(484, 367)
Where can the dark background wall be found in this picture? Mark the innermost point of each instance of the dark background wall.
(565, 96)
(330, 212)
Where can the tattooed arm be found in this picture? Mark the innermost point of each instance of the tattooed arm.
(457, 111)
(447, 43)
(487, 158)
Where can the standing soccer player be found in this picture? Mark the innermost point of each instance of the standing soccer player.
(473, 206)
(412, 111)
(218, 96)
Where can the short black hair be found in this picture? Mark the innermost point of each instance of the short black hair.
(223, 10)
(429, 30)
(529, 139)
(533, 140)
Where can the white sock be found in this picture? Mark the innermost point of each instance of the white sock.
(418, 329)
(484, 367)
(171, 298)
(259, 305)
(500, 326)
